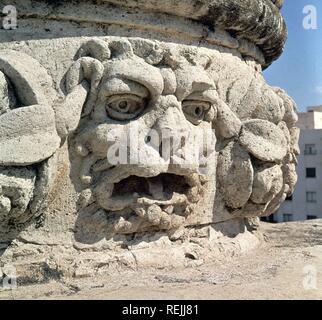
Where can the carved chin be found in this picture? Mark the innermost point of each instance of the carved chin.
(163, 201)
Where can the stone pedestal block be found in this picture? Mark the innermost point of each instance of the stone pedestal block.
(139, 133)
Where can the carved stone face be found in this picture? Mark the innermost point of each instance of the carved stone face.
(152, 128)
(148, 143)
(160, 136)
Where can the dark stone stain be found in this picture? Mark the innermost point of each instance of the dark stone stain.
(258, 21)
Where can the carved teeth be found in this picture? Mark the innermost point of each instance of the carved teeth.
(165, 221)
(123, 226)
(156, 187)
(169, 209)
(151, 200)
(193, 194)
(177, 221)
(140, 212)
(176, 199)
(86, 198)
(154, 214)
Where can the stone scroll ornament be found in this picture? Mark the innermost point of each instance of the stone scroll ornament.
(28, 138)
(145, 90)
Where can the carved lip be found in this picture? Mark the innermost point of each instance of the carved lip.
(136, 191)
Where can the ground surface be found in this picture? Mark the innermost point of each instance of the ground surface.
(287, 266)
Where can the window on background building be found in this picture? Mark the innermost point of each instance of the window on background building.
(289, 198)
(311, 172)
(270, 219)
(311, 217)
(310, 149)
(311, 197)
(287, 217)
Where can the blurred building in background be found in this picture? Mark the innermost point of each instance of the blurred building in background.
(306, 202)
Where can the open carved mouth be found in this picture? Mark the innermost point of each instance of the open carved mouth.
(163, 190)
(136, 203)
(161, 187)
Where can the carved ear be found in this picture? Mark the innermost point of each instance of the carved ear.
(88, 67)
(264, 140)
(290, 115)
(121, 49)
(95, 48)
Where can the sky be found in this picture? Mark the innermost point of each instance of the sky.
(299, 69)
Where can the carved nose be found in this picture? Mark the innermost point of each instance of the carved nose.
(168, 135)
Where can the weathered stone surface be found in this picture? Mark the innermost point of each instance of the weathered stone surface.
(27, 136)
(268, 182)
(290, 115)
(227, 125)
(16, 191)
(295, 135)
(268, 32)
(159, 131)
(290, 176)
(7, 98)
(272, 271)
(235, 175)
(264, 140)
(31, 81)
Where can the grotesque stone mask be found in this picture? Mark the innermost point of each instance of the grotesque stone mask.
(146, 138)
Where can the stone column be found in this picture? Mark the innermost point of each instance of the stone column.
(139, 133)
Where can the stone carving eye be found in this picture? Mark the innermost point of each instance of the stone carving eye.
(125, 106)
(196, 111)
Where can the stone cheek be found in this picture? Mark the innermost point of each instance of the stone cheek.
(234, 164)
(264, 140)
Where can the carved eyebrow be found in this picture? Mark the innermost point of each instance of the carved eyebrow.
(124, 86)
(138, 71)
(192, 79)
(207, 95)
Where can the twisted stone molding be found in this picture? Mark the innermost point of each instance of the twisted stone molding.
(258, 22)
